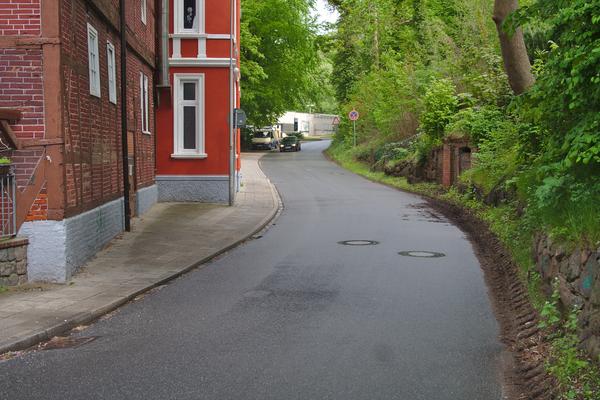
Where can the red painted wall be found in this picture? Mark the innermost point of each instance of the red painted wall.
(217, 16)
(216, 128)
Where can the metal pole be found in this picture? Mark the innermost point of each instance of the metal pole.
(124, 147)
(354, 129)
(232, 150)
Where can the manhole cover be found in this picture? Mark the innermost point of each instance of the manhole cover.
(422, 254)
(60, 342)
(359, 243)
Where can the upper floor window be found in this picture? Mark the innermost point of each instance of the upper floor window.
(144, 8)
(144, 103)
(112, 73)
(189, 16)
(93, 61)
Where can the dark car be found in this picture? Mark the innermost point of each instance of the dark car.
(290, 143)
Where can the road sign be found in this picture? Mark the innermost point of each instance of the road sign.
(354, 115)
(336, 121)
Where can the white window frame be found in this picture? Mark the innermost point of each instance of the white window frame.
(144, 103)
(93, 61)
(178, 17)
(112, 72)
(144, 11)
(179, 151)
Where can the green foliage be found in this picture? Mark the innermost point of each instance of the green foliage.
(5, 160)
(477, 124)
(440, 105)
(279, 58)
(549, 313)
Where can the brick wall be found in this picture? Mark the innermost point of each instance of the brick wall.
(39, 208)
(19, 17)
(21, 81)
(93, 125)
(21, 87)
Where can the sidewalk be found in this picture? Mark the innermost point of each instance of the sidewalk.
(168, 241)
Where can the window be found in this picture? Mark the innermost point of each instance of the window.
(189, 16)
(189, 116)
(93, 61)
(112, 73)
(144, 103)
(144, 8)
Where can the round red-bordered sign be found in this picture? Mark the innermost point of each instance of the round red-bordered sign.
(353, 115)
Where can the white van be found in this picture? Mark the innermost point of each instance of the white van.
(266, 138)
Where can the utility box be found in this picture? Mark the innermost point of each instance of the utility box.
(239, 118)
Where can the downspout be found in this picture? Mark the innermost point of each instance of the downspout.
(232, 149)
(124, 147)
(164, 45)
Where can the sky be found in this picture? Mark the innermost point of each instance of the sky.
(324, 14)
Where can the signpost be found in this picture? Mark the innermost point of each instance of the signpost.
(354, 116)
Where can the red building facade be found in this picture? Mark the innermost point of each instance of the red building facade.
(197, 156)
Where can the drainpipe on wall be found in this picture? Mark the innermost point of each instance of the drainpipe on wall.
(232, 149)
(124, 147)
(164, 37)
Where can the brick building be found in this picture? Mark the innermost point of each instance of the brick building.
(60, 109)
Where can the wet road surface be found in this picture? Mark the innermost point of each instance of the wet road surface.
(295, 314)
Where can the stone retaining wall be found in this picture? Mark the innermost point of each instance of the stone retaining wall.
(13, 262)
(578, 274)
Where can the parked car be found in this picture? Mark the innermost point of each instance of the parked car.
(290, 143)
(266, 138)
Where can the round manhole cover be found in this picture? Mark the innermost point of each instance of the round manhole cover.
(359, 243)
(422, 254)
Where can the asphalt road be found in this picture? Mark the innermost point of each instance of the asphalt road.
(295, 315)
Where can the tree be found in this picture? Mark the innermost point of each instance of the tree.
(514, 51)
(279, 58)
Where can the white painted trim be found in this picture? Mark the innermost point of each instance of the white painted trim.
(199, 62)
(179, 151)
(93, 60)
(201, 47)
(219, 36)
(144, 11)
(178, 17)
(145, 103)
(211, 36)
(112, 72)
(176, 48)
(189, 156)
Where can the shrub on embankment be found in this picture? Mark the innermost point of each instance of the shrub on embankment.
(429, 73)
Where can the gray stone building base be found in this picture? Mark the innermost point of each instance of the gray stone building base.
(58, 248)
(199, 189)
(146, 198)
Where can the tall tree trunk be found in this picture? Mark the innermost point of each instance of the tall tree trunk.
(514, 51)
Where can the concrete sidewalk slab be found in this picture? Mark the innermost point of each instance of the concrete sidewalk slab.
(167, 242)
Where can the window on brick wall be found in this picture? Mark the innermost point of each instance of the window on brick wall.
(144, 103)
(189, 16)
(189, 116)
(93, 61)
(144, 8)
(112, 73)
